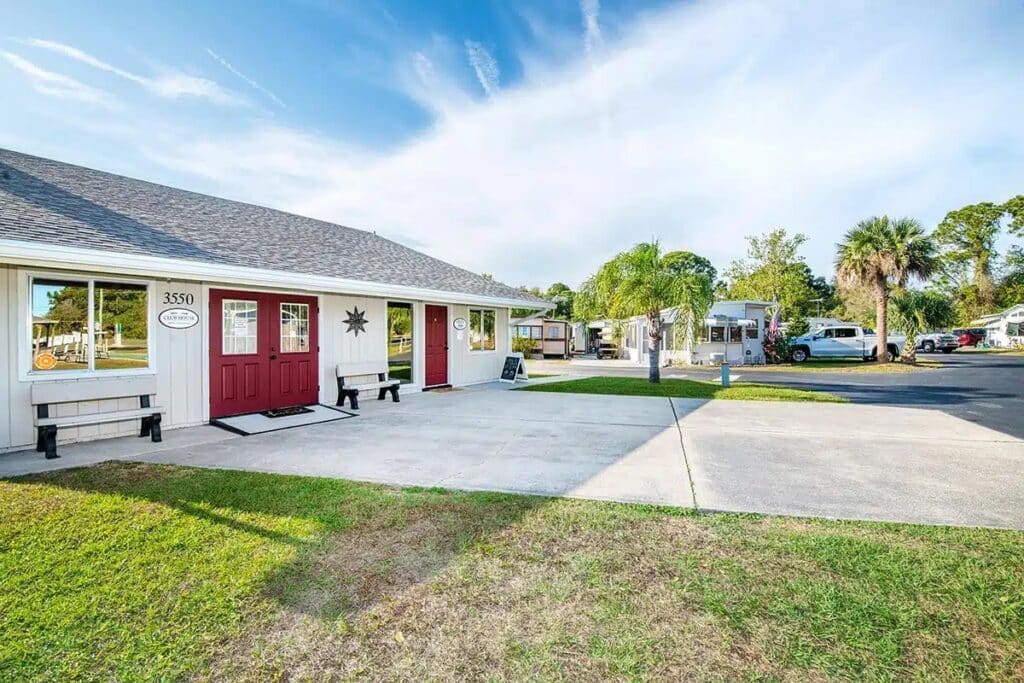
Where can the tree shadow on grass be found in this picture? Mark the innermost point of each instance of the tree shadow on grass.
(357, 546)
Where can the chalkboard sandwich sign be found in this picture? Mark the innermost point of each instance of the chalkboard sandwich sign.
(514, 368)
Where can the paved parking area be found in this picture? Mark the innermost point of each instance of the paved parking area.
(846, 461)
(986, 388)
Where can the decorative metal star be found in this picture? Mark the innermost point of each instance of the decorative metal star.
(356, 321)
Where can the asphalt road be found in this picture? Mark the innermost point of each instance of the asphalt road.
(984, 388)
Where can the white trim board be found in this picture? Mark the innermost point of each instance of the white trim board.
(38, 255)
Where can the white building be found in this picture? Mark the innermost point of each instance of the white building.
(1004, 329)
(232, 308)
(734, 329)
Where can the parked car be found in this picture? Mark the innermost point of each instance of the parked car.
(969, 336)
(936, 341)
(842, 341)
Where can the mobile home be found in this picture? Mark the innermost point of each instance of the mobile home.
(551, 337)
(733, 331)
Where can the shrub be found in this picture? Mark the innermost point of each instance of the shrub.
(523, 345)
(777, 351)
(798, 326)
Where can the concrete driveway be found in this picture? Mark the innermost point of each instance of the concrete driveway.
(846, 461)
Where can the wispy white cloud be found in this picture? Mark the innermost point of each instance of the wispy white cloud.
(253, 84)
(434, 88)
(723, 119)
(55, 84)
(484, 66)
(717, 120)
(592, 38)
(171, 84)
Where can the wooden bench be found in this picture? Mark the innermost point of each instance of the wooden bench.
(52, 393)
(356, 377)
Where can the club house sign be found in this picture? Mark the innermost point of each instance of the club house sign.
(178, 318)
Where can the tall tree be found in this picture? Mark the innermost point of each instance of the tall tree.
(880, 252)
(1015, 209)
(562, 296)
(1011, 288)
(641, 282)
(773, 271)
(688, 263)
(968, 235)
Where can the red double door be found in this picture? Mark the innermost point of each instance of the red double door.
(263, 351)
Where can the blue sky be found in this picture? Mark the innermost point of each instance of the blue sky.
(533, 140)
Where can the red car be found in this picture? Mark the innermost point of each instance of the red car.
(969, 336)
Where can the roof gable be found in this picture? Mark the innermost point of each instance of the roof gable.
(48, 201)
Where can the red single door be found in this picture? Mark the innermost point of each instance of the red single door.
(294, 372)
(263, 352)
(437, 345)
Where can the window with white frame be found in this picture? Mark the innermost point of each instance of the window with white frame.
(481, 329)
(83, 325)
(294, 328)
(240, 327)
(713, 333)
(528, 331)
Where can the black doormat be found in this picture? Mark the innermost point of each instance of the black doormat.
(286, 412)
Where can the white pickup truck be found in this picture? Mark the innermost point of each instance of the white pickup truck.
(842, 341)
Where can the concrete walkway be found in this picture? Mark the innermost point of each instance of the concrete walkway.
(846, 461)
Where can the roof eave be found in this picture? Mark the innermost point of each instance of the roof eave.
(38, 255)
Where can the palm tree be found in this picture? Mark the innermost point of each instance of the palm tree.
(879, 253)
(915, 312)
(642, 282)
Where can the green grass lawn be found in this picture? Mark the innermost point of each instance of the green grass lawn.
(683, 388)
(145, 572)
(1008, 352)
(923, 363)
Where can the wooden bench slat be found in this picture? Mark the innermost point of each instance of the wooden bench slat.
(98, 418)
(373, 385)
(92, 389)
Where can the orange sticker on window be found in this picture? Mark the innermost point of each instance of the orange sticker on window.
(45, 361)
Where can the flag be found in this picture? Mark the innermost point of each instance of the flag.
(773, 326)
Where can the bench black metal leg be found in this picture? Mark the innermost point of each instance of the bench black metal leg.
(154, 427)
(144, 429)
(382, 393)
(353, 399)
(40, 439)
(394, 393)
(50, 441)
(341, 392)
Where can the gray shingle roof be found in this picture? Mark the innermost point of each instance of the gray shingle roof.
(42, 200)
